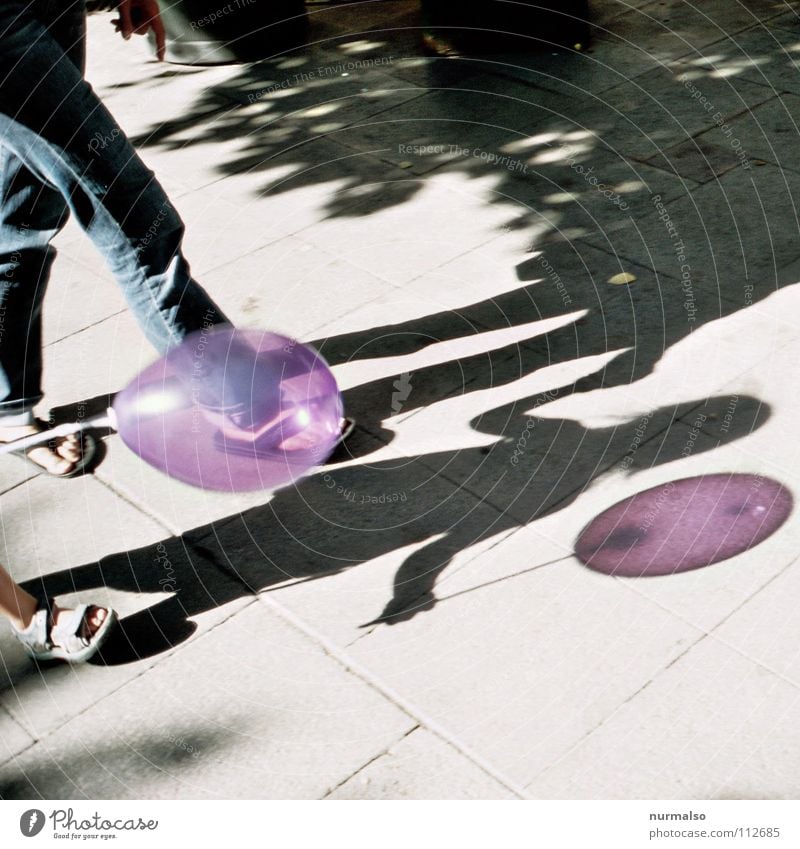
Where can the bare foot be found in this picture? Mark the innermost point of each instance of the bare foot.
(60, 461)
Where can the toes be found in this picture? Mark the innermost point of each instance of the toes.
(92, 621)
(51, 462)
(57, 457)
(95, 617)
(70, 449)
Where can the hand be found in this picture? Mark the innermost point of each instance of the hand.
(139, 17)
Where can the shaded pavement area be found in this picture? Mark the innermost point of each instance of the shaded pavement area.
(546, 280)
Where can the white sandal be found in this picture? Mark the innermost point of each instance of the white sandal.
(44, 641)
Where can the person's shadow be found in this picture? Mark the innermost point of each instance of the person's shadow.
(344, 516)
(490, 460)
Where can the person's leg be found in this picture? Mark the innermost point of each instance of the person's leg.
(19, 607)
(31, 213)
(15, 604)
(51, 119)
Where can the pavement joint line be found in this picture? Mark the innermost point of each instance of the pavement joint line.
(313, 334)
(142, 140)
(7, 716)
(87, 327)
(627, 700)
(505, 577)
(32, 476)
(303, 228)
(372, 760)
(280, 237)
(605, 721)
(727, 37)
(152, 663)
(131, 500)
(227, 568)
(712, 633)
(704, 635)
(708, 287)
(407, 86)
(403, 704)
(255, 170)
(585, 736)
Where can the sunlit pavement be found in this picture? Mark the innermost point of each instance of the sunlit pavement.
(546, 282)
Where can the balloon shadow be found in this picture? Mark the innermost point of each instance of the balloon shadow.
(685, 524)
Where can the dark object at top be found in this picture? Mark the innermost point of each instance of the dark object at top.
(210, 32)
(484, 25)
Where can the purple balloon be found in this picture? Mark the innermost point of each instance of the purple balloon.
(233, 410)
(684, 524)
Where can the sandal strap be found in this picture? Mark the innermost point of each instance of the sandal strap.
(67, 634)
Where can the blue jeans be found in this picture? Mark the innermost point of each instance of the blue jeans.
(61, 151)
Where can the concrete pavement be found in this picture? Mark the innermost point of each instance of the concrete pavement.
(412, 622)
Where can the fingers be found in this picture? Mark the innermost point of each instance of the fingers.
(161, 38)
(139, 17)
(123, 22)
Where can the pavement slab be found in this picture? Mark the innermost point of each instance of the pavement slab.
(40, 518)
(521, 662)
(786, 21)
(293, 189)
(14, 737)
(302, 725)
(346, 605)
(760, 412)
(761, 629)
(521, 354)
(606, 62)
(734, 233)
(322, 87)
(601, 13)
(421, 766)
(641, 117)
(121, 559)
(765, 55)
(714, 725)
(82, 293)
(470, 697)
(263, 288)
(669, 29)
(767, 134)
(80, 380)
(458, 122)
(397, 243)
